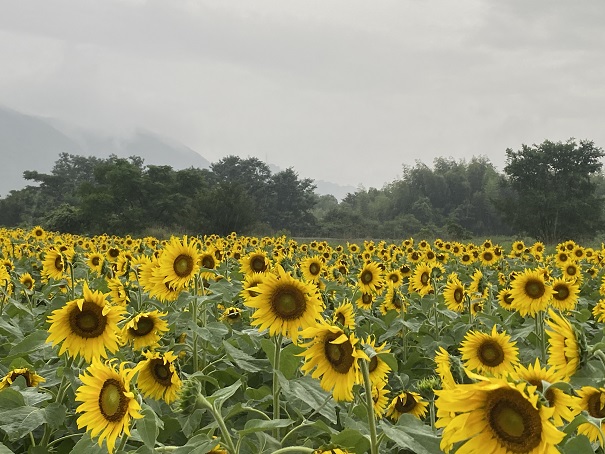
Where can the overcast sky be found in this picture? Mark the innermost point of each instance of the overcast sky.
(346, 91)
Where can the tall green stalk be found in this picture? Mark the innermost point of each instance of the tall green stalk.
(276, 387)
(367, 383)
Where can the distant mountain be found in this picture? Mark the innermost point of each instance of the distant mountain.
(34, 143)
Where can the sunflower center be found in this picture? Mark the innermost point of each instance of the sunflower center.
(314, 269)
(95, 261)
(340, 356)
(571, 270)
(424, 278)
(508, 299)
(514, 421)
(340, 318)
(59, 263)
(405, 404)
(487, 256)
(366, 298)
(144, 326)
(534, 288)
(366, 277)
(88, 322)
(561, 292)
(258, 264)
(373, 363)
(26, 375)
(288, 302)
(490, 353)
(458, 295)
(595, 408)
(208, 262)
(183, 265)
(161, 372)
(28, 284)
(112, 401)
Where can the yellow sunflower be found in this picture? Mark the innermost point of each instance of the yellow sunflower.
(284, 305)
(365, 301)
(107, 402)
(492, 353)
(380, 398)
(179, 263)
(565, 294)
(407, 402)
(487, 257)
(53, 265)
(95, 261)
(117, 291)
(157, 377)
(393, 300)
(86, 327)
(378, 368)
(535, 375)
(443, 368)
(311, 269)
(505, 299)
(31, 378)
(564, 352)
(530, 293)
(145, 329)
(592, 401)
(231, 315)
(27, 281)
(420, 282)
(255, 262)
(369, 279)
(334, 356)
(251, 280)
(495, 416)
(454, 294)
(344, 315)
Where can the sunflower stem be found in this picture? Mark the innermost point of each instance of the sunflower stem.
(276, 387)
(193, 309)
(296, 449)
(59, 400)
(367, 383)
(220, 422)
(542, 335)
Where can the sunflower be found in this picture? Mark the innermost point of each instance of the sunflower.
(251, 280)
(535, 375)
(420, 282)
(95, 260)
(38, 233)
(572, 271)
(87, 326)
(311, 269)
(117, 292)
(530, 293)
(592, 401)
(565, 294)
(380, 398)
(492, 353)
(378, 368)
(598, 312)
(454, 294)
(107, 402)
(564, 352)
(53, 265)
(27, 281)
(344, 315)
(407, 402)
(255, 262)
(495, 416)
(443, 368)
(284, 305)
(145, 329)
(231, 315)
(31, 378)
(487, 257)
(393, 300)
(505, 299)
(179, 263)
(157, 376)
(334, 356)
(394, 277)
(370, 278)
(365, 301)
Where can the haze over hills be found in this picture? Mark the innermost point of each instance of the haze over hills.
(34, 143)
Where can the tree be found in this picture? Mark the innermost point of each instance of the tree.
(553, 195)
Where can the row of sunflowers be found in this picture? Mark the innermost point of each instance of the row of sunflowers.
(241, 344)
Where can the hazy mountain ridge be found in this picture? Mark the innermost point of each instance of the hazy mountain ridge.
(34, 143)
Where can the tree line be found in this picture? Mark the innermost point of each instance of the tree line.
(550, 191)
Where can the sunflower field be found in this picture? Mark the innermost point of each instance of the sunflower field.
(246, 345)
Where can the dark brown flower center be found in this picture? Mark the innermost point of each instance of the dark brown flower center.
(314, 269)
(490, 353)
(208, 262)
(95, 261)
(183, 265)
(405, 404)
(534, 288)
(458, 295)
(340, 356)
(513, 420)
(113, 404)
(488, 256)
(59, 263)
(595, 408)
(88, 322)
(561, 292)
(571, 270)
(366, 277)
(143, 327)
(288, 302)
(258, 263)
(161, 372)
(424, 278)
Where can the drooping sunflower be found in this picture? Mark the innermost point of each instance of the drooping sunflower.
(454, 294)
(530, 292)
(443, 368)
(393, 300)
(31, 378)
(378, 368)
(108, 405)
(559, 400)
(369, 279)
(87, 327)
(565, 294)
(334, 356)
(592, 401)
(284, 305)
(157, 377)
(231, 315)
(117, 291)
(420, 282)
(564, 353)
(179, 263)
(492, 353)
(407, 402)
(380, 398)
(495, 416)
(598, 311)
(344, 315)
(145, 329)
(312, 268)
(53, 265)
